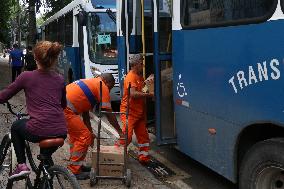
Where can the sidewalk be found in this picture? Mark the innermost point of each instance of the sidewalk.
(141, 177)
(4, 60)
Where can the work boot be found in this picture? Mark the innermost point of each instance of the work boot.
(144, 160)
(85, 168)
(82, 176)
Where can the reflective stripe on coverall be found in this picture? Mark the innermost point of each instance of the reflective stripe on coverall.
(80, 136)
(138, 125)
(136, 117)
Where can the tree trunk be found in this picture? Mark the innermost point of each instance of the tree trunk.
(32, 23)
(19, 37)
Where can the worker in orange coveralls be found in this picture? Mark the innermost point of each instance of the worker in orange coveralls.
(82, 96)
(137, 106)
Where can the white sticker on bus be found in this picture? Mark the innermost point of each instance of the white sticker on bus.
(254, 74)
(181, 91)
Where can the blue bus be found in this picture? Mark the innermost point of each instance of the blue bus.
(88, 32)
(218, 85)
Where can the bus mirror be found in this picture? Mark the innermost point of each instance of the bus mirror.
(82, 19)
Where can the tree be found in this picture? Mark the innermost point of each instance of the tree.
(5, 13)
(55, 6)
(32, 23)
(18, 23)
(33, 6)
(39, 21)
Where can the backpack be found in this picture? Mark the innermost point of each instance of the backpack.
(30, 62)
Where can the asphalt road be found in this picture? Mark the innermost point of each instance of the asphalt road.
(189, 174)
(200, 177)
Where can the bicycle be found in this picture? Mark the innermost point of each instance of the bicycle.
(48, 175)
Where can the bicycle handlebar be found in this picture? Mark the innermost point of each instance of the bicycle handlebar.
(12, 111)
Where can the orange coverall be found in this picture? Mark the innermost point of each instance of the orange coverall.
(136, 116)
(80, 137)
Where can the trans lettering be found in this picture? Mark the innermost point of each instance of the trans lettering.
(262, 72)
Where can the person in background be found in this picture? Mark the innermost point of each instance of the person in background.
(45, 98)
(82, 96)
(16, 61)
(30, 63)
(137, 107)
(4, 52)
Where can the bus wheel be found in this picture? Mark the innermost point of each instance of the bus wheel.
(263, 166)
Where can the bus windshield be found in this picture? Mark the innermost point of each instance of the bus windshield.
(102, 38)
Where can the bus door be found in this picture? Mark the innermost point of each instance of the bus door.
(162, 28)
(149, 32)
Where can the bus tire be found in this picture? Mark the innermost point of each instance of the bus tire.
(263, 165)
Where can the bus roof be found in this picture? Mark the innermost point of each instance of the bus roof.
(84, 4)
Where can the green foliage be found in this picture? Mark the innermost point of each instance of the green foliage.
(5, 13)
(54, 6)
(40, 21)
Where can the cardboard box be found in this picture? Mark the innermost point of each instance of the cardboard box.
(111, 170)
(109, 154)
(149, 85)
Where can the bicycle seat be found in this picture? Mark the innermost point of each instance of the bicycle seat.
(52, 142)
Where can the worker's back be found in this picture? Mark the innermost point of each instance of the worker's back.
(79, 100)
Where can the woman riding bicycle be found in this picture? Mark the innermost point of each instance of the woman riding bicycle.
(45, 98)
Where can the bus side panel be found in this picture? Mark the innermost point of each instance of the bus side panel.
(121, 61)
(70, 59)
(226, 79)
(74, 54)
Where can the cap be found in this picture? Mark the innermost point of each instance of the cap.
(134, 58)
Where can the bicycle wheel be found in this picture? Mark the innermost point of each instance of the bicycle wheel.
(7, 161)
(13, 157)
(62, 178)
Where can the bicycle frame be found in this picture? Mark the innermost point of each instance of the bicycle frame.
(30, 158)
(45, 172)
(6, 141)
(5, 145)
(46, 161)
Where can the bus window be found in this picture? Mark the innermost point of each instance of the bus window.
(53, 29)
(209, 13)
(61, 27)
(165, 32)
(46, 31)
(102, 38)
(69, 29)
(148, 5)
(167, 118)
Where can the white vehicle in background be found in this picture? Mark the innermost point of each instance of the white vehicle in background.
(87, 30)
(24, 51)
